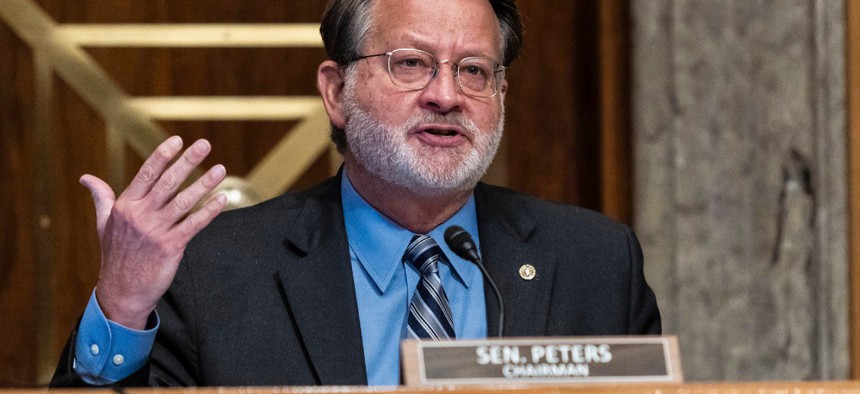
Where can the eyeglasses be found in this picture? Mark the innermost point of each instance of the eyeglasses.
(414, 69)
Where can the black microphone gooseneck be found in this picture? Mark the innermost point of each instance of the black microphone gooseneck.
(461, 243)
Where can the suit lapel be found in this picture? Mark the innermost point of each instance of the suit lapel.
(505, 248)
(318, 287)
(319, 290)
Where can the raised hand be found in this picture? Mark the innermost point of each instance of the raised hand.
(143, 232)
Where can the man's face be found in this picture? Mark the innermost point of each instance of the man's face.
(437, 139)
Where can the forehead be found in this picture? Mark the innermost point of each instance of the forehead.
(468, 26)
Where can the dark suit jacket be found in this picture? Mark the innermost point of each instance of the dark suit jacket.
(265, 295)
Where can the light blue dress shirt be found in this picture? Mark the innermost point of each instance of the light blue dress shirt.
(107, 352)
(384, 283)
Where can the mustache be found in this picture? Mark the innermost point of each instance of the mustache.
(450, 119)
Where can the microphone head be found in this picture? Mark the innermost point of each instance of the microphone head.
(461, 243)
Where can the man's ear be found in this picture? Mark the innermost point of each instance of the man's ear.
(330, 84)
(503, 89)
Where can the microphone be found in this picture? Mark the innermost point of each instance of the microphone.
(462, 244)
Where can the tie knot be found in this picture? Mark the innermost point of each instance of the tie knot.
(423, 252)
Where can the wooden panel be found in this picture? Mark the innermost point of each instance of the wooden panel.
(568, 111)
(615, 149)
(553, 113)
(853, 65)
(17, 216)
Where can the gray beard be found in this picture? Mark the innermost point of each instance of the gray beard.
(382, 150)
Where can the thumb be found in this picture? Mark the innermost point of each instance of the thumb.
(103, 198)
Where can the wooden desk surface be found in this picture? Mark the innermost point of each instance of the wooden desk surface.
(842, 387)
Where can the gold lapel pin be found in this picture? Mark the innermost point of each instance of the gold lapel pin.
(528, 272)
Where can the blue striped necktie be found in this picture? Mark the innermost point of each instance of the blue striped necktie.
(429, 311)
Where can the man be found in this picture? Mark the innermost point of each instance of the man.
(320, 287)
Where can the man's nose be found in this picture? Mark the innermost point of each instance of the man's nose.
(443, 94)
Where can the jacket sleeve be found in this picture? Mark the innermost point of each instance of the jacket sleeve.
(172, 360)
(644, 315)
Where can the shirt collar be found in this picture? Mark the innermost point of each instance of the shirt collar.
(379, 243)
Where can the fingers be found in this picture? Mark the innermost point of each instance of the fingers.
(188, 198)
(103, 198)
(154, 188)
(152, 168)
(196, 221)
(167, 185)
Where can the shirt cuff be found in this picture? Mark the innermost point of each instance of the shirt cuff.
(107, 352)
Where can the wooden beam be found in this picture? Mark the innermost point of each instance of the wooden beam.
(293, 35)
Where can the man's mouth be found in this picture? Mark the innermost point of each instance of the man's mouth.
(442, 132)
(442, 135)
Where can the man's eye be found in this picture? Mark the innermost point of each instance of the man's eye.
(411, 63)
(475, 70)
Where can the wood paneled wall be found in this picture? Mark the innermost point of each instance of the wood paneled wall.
(49, 250)
(853, 53)
(19, 219)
